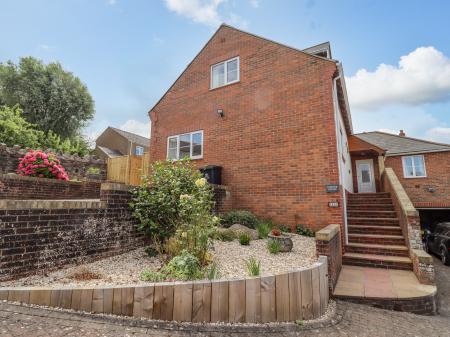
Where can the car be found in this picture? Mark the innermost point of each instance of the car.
(437, 241)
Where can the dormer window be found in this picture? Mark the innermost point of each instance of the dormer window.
(225, 73)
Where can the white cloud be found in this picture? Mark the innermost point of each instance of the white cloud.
(439, 134)
(389, 131)
(206, 12)
(423, 76)
(136, 127)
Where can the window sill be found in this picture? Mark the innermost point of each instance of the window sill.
(225, 85)
(415, 177)
(195, 158)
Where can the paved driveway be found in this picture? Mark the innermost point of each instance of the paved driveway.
(354, 320)
(443, 285)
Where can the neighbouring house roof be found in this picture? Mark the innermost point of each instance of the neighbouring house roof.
(110, 152)
(314, 51)
(132, 137)
(400, 145)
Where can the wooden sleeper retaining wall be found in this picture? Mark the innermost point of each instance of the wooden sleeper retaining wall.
(297, 295)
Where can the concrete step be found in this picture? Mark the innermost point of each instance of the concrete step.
(377, 261)
(367, 248)
(364, 201)
(384, 230)
(361, 213)
(367, 196)
(371, 207)
(371, 221)
(378, 239)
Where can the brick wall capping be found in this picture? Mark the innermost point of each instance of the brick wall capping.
(327, 233)
(422, 256)
(115, 187)
(52, 204)
(15, 176)
(405, 203)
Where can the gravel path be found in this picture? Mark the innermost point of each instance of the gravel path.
(125, 268)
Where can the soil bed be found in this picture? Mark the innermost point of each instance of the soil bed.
(125, 268)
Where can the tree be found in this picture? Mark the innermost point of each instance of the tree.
(51, 98)
(15, 130)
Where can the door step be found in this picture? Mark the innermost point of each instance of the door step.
(373, 229)
(376, 249)
(377, 261)
(379, 239)
(367, 221)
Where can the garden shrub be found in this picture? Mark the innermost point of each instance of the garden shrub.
(151, 251)
(253, 266)
(172, 247)
(152, 276)
(244, 218)
(40, 164)
(175, 194)
(273, 246)
(263, 230)
(284, 228)
(183, 267)
(302, 230)
(244, 239)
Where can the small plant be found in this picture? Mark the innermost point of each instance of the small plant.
(276, 232)
(212, 272)
(273, 246)
(152, 276)
(84, 274)
(93, 170)
(183, 267)
(263, 230)
(172, 247)
(302, 230)
(299, 322)
(244, 239)
(253, 266)
(245, 218)
(42, 165)
(225, 235)
(151, 251)
(284, 229)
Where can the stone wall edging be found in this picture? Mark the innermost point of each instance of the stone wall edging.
(300, 294)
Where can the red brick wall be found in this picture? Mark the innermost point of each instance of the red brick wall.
(277, 141)
(438, 177)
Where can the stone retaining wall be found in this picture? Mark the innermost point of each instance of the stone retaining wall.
(16, 187)
(41, 235)
(297, 295)
(77, 167)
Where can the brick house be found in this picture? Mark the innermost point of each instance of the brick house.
(275, 118)
(423, 168)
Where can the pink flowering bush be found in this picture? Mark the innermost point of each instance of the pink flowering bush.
(41, 164)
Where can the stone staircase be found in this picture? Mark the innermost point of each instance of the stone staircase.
(374, 235)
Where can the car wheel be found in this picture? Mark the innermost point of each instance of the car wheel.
(444, 256)
(426, 247)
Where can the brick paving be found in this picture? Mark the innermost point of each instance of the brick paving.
(353, 320)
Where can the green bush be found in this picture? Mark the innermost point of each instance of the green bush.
(284, 228)
(152, 276)
(253, 266)
(225, 235)
(273, 246)
(244, 239)
(173, 195)
(302, 230)
(151, 251)
(183, 267)
(244, 218)
(263, 230)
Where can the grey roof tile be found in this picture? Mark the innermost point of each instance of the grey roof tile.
(133, 137)
(398, 145)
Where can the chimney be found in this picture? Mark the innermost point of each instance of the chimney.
(402, 133)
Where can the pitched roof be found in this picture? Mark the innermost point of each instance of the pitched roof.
(224, 25)
(399, 145)
(132, 137)
(109, 152)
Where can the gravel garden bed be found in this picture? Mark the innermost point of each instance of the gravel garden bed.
(126, 268)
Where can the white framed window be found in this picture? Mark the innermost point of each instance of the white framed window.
(414, 166)
(225, 73)
(185, 145)
(139, 151)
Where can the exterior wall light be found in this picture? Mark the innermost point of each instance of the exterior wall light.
(220, 113)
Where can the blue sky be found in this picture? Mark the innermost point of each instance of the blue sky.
(396, 54)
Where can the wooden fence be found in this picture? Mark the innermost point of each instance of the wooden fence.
(296, 295)
(128, 169)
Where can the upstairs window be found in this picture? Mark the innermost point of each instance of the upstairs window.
(414, 166)
(224, 73)
(186, 145)
(139, 151)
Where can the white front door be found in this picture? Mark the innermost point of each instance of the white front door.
(366, 179)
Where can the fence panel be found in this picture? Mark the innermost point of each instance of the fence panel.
(128, 169)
